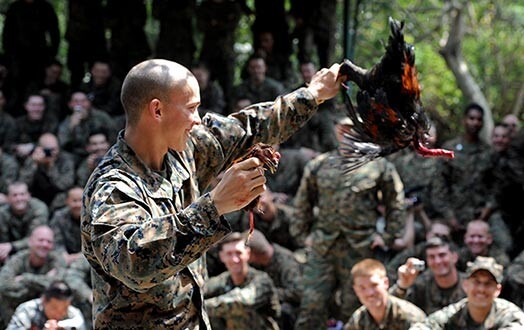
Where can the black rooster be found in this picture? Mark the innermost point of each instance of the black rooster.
(389, 115)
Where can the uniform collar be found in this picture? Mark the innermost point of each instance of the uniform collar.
(156, 186)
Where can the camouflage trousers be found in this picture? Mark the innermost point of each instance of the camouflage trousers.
(323, 277)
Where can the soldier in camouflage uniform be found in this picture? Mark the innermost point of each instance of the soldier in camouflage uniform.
(73, 132)
(97, 146)
(437, 228)
(482, 309)
(8, 134)
(318, 134)
(49, 172)
(479, 242)
(280, 264)
(29, 272)
(66, 226)
(285, 181)
(344, 228)
(8, 173)
(513, 288)
(18, 218)
(211, 94)
(435, 288)
(257, 87)
(32, 125)
(242, 297)
(78, 277)
(380, 310)
(462, 191)
(273, 220)
(145, 226)
(51, 311)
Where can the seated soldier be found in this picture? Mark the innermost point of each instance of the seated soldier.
(435, 288)
(242, 297)
(481, 309)
(66, 226)
(273, 219)
(51, 311)
(436, 228)
(280, 264)
(96, 147)
(27, 273)
(380, 310)
(18, 218)
(78, 277)
(49, 172)
(479, 242)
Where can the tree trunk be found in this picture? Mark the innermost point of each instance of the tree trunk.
(451, 50)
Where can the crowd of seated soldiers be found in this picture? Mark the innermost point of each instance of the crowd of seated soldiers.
(54, 132)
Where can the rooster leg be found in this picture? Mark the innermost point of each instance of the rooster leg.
(353, 73)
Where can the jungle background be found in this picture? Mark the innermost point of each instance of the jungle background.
(467, 51)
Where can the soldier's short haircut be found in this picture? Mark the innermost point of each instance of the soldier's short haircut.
(368, 267)
(58, 290)
(149, 80)
(17, 184)
(473, 106)
(437, 241)
(233, 237)
(258, 242)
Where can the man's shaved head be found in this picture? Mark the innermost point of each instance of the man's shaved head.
(149, 80)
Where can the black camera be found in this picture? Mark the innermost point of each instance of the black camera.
(48, 152)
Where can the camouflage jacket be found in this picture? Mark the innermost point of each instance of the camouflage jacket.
(8, 133)
(78, 277)
(31, 314)
(460, 186)
(75, 139)
(347, 204)
(8, 171)
(144, 236)
(285, 272)
(496, 253)
(400, 314)
(503, 315)
(32, 279)
(426, 294)
(16, 229)
(67, 231)
(253, 305)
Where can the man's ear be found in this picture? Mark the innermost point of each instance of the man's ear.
(155, 109)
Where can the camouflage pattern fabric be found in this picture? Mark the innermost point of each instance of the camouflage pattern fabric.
(8, 133)
(67, 231)
(343, 229)
(513, 287)
(400, 314)
(252, 305)
(78, 277)
(503, 315)
(465, 255)
(144, 235)
(31, 281)
(8, 171)
(31, 315)
(426, 294)
(75, 139)
(460, 186)
(16, 228)
(50, 183)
